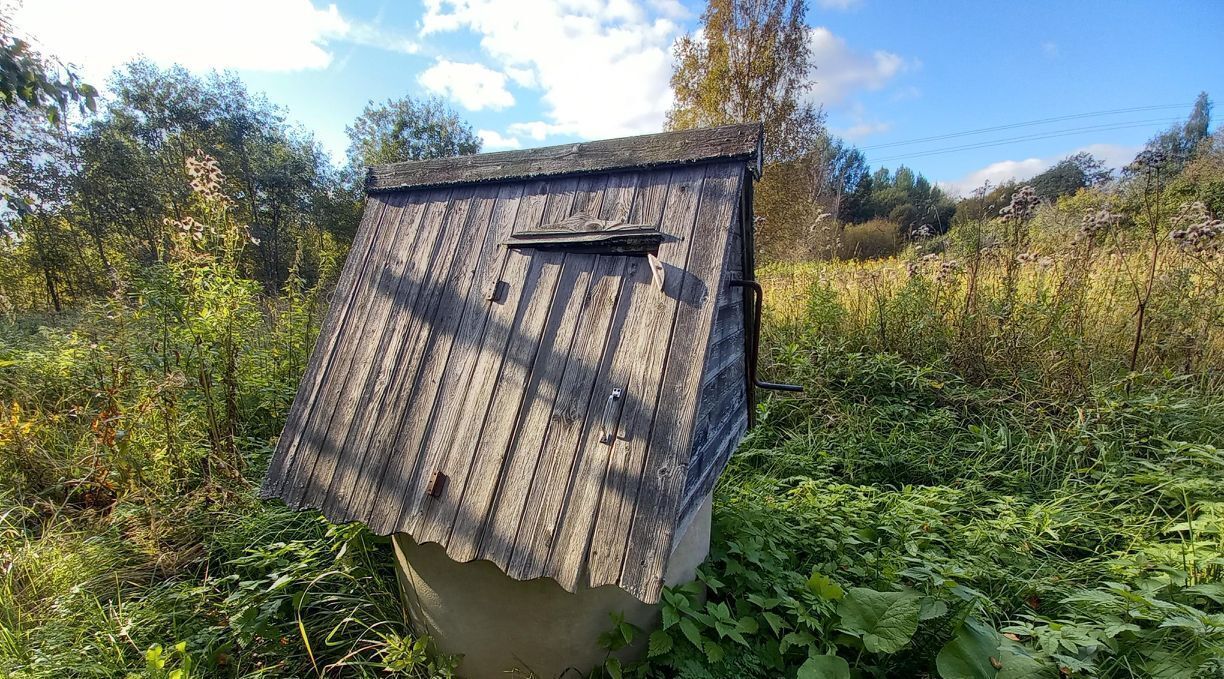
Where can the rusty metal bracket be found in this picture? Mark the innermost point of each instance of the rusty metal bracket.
(758, 301)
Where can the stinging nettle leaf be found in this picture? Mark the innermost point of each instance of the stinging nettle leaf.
(886, 621)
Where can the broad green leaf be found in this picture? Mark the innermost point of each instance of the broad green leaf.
(969, 653)
(670, 616)
(824, 667)
(660, 643)
(932, 608)
(613, 667)
(802, 638)
(627, 631)
(823, 586)
(885, 620)
(1017, 663)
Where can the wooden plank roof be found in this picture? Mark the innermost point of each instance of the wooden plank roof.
(729, 142)
(459, 388)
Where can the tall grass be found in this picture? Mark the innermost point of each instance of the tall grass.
(981, 457)
(979, 437)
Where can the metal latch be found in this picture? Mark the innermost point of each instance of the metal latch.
(607, 431)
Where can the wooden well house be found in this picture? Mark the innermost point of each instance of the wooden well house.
(539, 358)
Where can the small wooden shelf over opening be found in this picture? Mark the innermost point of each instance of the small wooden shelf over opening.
(535, 357)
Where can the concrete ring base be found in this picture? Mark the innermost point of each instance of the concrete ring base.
(506, 627)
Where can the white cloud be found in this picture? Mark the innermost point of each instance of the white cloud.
(1113, 155)
(841, 71)
(263, 35)
(474, 86)
(494, 141)
(602, 66)
(537, 129)
(864, 128)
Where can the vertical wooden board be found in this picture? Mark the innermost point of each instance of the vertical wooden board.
(364, 350)
(406, 317)
(367, 377)
(334, 321)
(540, 393)
(356, 479)
(579, 397)
(461, 386)
(563, 423)
(415, 325)
(454, 300)
(489, 456)
(317, 453)
(637, 341)
(540, 397)
(471, 414)
(407, 320)
(650, 536)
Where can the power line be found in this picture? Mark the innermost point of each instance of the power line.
(1029, 123)
(1035, 137)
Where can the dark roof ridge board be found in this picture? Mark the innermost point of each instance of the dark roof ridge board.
(648, 151)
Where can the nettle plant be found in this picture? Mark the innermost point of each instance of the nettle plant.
(813, 628)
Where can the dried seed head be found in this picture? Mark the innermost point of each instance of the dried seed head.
(1096, 222)
(206, 176)
(1023, 204)
(1196, 230)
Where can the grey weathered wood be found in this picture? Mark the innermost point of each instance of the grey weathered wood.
(350, 279)
(435, 382)
(624, 242)
(596, 523)
(427, 336)
(580, 401)
(492, 448)
(471, 413)
(650, 538)
(585, 223)
(406, 293)
(349, 490)
(448, 355)
(730, 143)
(363, 375)
(388, 393)
(319, 454)
(543, 386)
(728, 436)
(459, 383)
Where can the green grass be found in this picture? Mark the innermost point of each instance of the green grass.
(971, 485)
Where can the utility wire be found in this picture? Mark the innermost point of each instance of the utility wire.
(1030, 123)
(1034, 137)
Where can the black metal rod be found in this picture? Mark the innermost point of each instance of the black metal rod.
(758, 302)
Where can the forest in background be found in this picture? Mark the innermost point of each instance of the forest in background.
(1006, 463)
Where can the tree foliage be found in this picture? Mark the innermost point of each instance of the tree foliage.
(407, 129)
(1069, 175)
(907, 199)
(92, 200)
(751, 62)
(1179, 142)
(30, 79)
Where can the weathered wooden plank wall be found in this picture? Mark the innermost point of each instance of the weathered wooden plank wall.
(447, 356)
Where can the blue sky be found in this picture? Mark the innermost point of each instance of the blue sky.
(536, 72)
